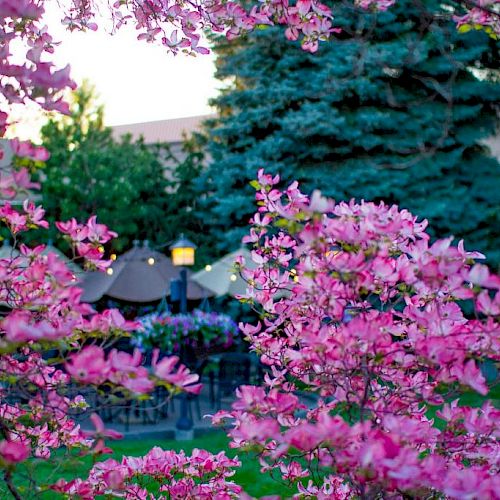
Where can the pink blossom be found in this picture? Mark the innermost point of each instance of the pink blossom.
(181, 377)
(13, 451)
(88, 365)
(98, 232)
(26, 149)
(100, 430)
(480, 275)
(471, 375)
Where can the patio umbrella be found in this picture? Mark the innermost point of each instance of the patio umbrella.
(72, 266)
(140, 275)
(221, 277)
(6, 159)
(8, 252)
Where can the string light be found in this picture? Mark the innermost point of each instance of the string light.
(208, 268)
(109, 271)
(113, 256)
(233, 277)
(151, 261)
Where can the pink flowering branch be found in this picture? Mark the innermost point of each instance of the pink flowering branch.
(360, 310)
(177, 475)
(37, 407)
(480, 14)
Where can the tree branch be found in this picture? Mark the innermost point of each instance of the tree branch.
(7, 476)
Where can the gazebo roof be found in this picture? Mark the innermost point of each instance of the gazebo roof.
(135, 279)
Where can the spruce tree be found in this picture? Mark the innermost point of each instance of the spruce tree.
(395, 109)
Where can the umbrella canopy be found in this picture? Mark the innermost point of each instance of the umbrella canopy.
(221, 278)
(72, 266)
(8, 252)
(6, 158)
(139, 275)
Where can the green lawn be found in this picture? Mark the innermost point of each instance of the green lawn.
(248, 475)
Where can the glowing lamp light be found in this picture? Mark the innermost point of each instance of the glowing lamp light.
(113, 256)
(183, 252)
(151, 261)
(233, 277)
(333, 251)
(109, 271)
(208, 268)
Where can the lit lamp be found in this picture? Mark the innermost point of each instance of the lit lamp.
(182, 255)
(183, 252)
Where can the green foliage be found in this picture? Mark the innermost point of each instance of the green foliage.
(183, 204)
(131, 186)
(393, 110)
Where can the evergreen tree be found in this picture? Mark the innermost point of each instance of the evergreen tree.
(183, 203)
(123, 182)
(394, 110)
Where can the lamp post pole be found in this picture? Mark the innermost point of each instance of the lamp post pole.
(182, 255)
(183, 297)
(184, 425)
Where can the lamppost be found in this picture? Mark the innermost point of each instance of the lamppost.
(183, 252)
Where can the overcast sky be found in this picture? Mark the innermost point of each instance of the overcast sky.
(136, 81)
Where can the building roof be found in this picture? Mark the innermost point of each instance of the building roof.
(169, 131)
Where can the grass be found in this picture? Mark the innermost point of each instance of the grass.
(248, 475)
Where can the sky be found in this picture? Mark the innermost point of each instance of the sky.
(135, 81)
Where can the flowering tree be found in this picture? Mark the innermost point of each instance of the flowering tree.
(53, 347)
(386, 331)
